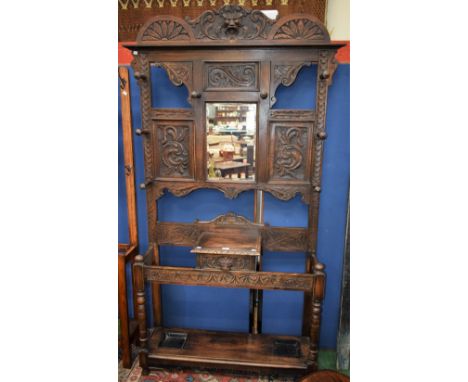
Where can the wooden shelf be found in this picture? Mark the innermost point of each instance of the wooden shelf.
(221, 349)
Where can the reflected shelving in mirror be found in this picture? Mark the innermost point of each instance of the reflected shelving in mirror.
(231, 131)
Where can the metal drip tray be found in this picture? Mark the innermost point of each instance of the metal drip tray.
(173, 340)
(287, 348)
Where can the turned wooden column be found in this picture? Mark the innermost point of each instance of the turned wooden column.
(138, 274)
(318, 293)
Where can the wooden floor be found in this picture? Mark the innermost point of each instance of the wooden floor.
(243, 349)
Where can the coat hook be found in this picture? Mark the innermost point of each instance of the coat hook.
(141, 132)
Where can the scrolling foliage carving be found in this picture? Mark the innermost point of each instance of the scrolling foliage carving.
(290, 152)
(174, 150)
(232, 76)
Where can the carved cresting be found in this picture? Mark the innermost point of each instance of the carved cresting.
(290, 152)
(231, 22)
(174, 150)
(300, 29)
(165, 30)
(233, 75)
(235, 23)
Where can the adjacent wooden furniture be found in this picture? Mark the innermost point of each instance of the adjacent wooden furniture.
(232, 55)
(127, 251)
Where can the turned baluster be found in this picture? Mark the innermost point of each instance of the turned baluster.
(317, 298)
(138, 274)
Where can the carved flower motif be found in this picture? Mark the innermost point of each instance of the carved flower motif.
(165, 30)
(299, 29)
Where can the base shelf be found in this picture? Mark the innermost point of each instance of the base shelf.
(220, 349)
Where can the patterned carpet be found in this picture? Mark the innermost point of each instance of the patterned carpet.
(326, 361)
(192, 375)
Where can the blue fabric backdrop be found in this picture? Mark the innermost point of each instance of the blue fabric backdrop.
(227, 309)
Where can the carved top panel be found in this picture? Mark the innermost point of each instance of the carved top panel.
(235, 24)
(231, 76)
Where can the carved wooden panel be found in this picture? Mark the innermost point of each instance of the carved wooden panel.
(284, 239)
(229, 262)
(229, 279)
(174, 149)
(230, 76)
(290, 156)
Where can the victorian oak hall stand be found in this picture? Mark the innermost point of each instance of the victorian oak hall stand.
(232, 61)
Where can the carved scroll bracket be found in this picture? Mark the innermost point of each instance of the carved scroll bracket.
(284, 74)
(179, 73)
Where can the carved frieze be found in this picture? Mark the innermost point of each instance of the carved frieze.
(174, 148)
(229, 279)
(233, 22)
(231, 76)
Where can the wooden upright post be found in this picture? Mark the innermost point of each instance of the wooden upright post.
(138, 274)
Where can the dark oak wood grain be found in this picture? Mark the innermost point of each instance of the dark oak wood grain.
(209, 348)
(234, 55)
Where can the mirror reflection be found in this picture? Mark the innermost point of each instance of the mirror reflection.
(231, 134)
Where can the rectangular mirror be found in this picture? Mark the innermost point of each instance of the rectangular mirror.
(231, 132)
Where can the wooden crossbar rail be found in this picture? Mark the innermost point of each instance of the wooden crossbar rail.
(230, 279)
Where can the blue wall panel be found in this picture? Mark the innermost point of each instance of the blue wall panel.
(225, 309)
(333, 201)
(301, 94)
